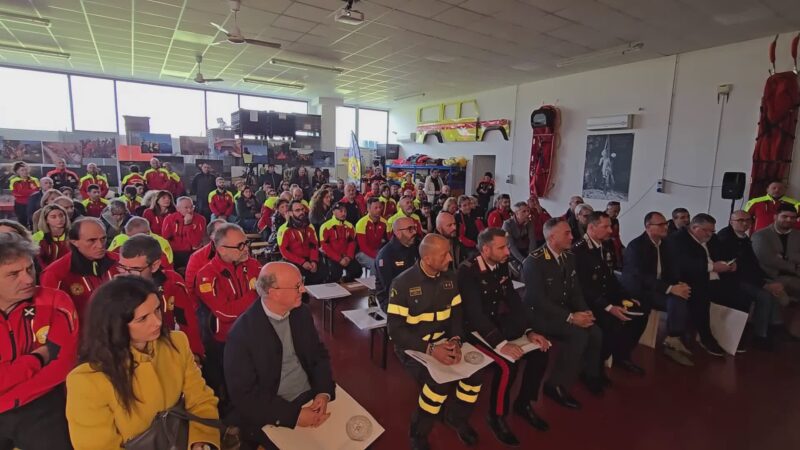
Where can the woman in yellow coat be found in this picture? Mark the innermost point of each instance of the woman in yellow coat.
(132, 367)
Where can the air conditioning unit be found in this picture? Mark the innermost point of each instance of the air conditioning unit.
(409, 138)
(621, 122)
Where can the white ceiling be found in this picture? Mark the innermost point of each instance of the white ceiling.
(440, 47)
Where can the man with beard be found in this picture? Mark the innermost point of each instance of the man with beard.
(370, 234)
(467, 227)
(521, 240)
(501, 212)
(298, 245)
(446, 226)
(338, 243)
(395, 257)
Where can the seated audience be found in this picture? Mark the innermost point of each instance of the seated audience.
(319, 209)
(370, 233)
(138, 225)
(22, 186)
(275, 362)
(680, 220)
(467, 226)
(114, 218)
(446, 226)
(778, 250)
(500, 213)
(161, 207)
(579, 222)
(389, 205)
(133, 178)
(248, 210)
(539, 216)
(426, 218)
(131, 368)
(337, 239)
(221, 202)
(185, 231)
(94, 204)
(521, 240)
(574, 201)
(69, 206)
(355, 203)
(764, 209)
(132, 199)
(93, 176)
(279, 217)
(52, 235)
(48, 198)
(399, 254)
(201, 256)
(298, 244)
(35, 200)
(405, 208)
(33, 369)
(612, 209)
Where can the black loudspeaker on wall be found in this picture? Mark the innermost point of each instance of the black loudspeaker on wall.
(733, 185)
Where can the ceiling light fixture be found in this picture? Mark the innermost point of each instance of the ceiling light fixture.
(602, 54)
(348, 15)
(406, 96)
(6, 16)
(34, 51)
(279, 84)
(304, 66)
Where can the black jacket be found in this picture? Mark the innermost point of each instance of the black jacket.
(491, 305)
(640, 270)
(202, 185)
(598, 283)
(253, 359)
(553, 291)
(392, 259)
(689, 262)
(274, 180)
(748, 269)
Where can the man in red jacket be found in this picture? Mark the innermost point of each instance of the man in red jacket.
(220, 201)
(338, 243)
(765, 208)
(201, 256)
(184, 229)
(226, 288)
(93, 176)
(141, 256)
(94, 204)
(370, 234)
(298, 244)
(22, 186)
(86, 267)
(38, 341)
(501, 213)
(156, 178)
(63, 177)
(468, 228)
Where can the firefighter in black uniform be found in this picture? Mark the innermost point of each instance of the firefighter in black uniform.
(494, 310)
(553, 291)
(594, 261)
(425, 315)
(398, 255)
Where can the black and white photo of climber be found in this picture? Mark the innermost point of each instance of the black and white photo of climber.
(607, 173)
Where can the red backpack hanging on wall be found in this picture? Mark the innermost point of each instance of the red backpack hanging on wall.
(545, 122)
(777, 125)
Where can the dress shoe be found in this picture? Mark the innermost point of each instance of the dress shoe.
(465, 432)
(527, 413)
(629, 366)
(560, 395)
(593, 384)
(420, 443)
(501, 431)
(711, 346)
(675, 343)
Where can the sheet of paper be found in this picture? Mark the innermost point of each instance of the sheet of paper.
(364, 320)
(369, 282)
(333, 433)
(522, 341)
(727, 326)
(445, 374)
(327, 291)
(633, 313)
(517, 285)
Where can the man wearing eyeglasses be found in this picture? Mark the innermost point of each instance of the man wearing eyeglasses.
(185, 230)
(141, 256)
(298, 244)
(398, 255)
(226, 288)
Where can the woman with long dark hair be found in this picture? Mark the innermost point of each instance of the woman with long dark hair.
(162, 206)
(131, 368)
(52, 235)
(248, 210)
(320, 207)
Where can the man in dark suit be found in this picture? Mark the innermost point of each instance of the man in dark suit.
(275, 362)
(553, 291)
(680, 220)
(696, 262)
(595, 259)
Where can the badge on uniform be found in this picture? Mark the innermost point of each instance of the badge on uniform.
(399, 263)
(41, 334)
(76, 289)
(205, 288)
(546, 255)
(447, 284)
(29, 312)
(415, 291)
(380, 262)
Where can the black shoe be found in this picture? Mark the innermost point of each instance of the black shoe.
(420, 443)
(466, 433)
(593, 384)
(629, 366)
(527, 413)
(766, 344)
(501, 431)
(742, 347)
(560, 395)
(711, 346)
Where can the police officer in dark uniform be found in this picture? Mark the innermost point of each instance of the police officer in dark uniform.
(595, 259)
(553, 290)
(425, 315)
(494, 310)
(398, 255)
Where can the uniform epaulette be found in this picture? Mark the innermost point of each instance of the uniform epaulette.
(568, 251)
(580, 243)
(538, 253)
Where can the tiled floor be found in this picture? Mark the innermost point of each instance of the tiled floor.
(748, 402)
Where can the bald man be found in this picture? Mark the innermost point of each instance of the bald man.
(428, 289)
(274, 360)
(399, 254)
(446, 226)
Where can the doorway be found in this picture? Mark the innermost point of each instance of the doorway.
(480, 165)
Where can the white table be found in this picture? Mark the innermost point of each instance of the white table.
(328, 293)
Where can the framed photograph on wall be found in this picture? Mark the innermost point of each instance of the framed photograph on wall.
(20, 150)
(69, 151)
(607, 171)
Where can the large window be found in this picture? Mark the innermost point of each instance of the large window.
(33, 100)
(220, 106)
(345, 123)
(273, 104)
(175, 111)
(373, 127)
(93, 104)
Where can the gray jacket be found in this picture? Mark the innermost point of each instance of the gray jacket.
(516, 238)
(768, 249)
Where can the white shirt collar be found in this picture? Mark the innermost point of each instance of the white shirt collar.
(271, 314)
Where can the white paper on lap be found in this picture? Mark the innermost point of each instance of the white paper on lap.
(445, 374)
(332, 434)
(522, 342)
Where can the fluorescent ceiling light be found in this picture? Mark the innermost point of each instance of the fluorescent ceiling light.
(304, 66)
(21, 18)
(415, 94)
(602, 54)
(34, 51)
(441, 58)
(279, 84)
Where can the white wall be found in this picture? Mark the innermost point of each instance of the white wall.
(681, 152)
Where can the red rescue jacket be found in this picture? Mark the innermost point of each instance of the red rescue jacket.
(197, 260)
(157, 180)
(338, 239)
(182, 237)
(156, 222)
(95, 209)
(298, 246)
(370, 235)
(50, 249)
(221, 203)
(180, 311)
(79, 277)
(497, 217)
(227, 291)
(23, 188)
(89, 179)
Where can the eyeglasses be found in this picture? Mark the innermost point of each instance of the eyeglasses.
(240, 246)
(296, 288)
(133, 270)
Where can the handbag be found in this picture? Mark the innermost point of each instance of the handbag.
(169, 430)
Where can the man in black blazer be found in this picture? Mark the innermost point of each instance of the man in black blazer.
(696, 262)
(553, 291)
(275, 362)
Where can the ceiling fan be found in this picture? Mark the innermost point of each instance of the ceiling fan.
(235, 35)
(199, 78)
